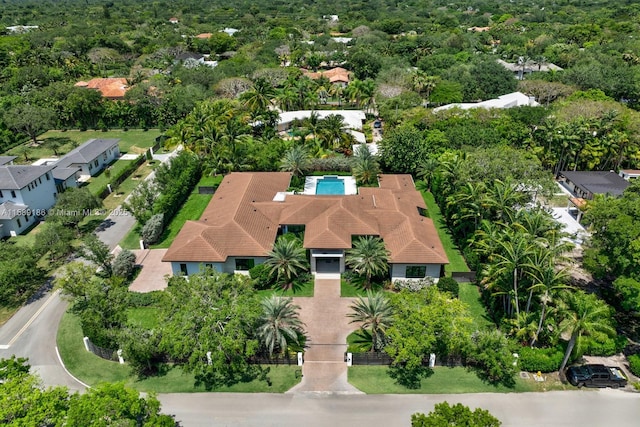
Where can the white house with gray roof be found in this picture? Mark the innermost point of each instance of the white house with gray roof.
(90, 158)
(25, 192)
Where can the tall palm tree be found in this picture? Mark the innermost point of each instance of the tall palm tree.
(368, 257)
(547, 280)
(332, 134)
(423, 84)
(295, 160)
(287, 260)
(280, 325)
(375, 314)
(583, 314)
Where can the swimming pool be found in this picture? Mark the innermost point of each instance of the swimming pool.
(330, 185)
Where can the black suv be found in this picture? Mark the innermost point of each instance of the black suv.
(596, 376)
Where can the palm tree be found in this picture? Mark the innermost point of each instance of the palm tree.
(427, 170)
(295, 160)
(332, 134)
(423, 84)
(365, 166)
(547, 280)
(258, 98)
(583, 314)
(368, 257)
(287, 260)
(375, 314)
(280, 325)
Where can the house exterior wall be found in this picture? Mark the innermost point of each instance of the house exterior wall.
(229, 266)
(399, 271)
(97, 164)
(41, 196)
(15, 226)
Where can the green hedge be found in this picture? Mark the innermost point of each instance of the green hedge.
(540, 359)
(119, 178)
(608, 347)
(634, 364)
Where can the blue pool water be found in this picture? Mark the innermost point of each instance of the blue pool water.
(330, 185)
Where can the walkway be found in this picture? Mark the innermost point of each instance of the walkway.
(325, 316)
(152, 275)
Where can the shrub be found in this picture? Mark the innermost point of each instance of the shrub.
(413, 285)
(261, 277)
(489, 355)
(607, 347)
(137, 299)
(449, 284)
(152, 230)
(124, 264)
(540, 359)
(634, 364)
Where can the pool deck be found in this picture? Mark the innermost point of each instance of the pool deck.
(311, 182)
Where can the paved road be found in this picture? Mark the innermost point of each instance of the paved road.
(559, 409)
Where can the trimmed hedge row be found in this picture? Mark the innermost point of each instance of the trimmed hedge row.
(634, 364)
(177, 183)
(119, 178)
(540, 359)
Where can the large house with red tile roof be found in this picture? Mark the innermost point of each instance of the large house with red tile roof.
(109, 87)
(337, 75)
(250, 210)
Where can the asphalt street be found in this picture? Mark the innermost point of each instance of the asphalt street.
(585, 408)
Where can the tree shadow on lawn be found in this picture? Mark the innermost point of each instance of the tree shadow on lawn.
(359, 288)
(410, 378)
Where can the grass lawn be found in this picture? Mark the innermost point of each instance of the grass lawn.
(92, 370)
(297, 290)
(116, 198)
(470, 295)
(145, 317)
(191, 210)
(6, 313)
(132, 141)
(375, 380)
(456, 260)
(101, 180)
(352, 290)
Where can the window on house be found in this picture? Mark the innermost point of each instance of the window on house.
(244, 264)
(13, 194)
(19, 223)
(90, 166)
(40, 180)
(1, 195)
(47, 175)
(416, 271)
(96, 163)
(104, 156)
(183, 269)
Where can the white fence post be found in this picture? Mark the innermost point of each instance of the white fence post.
(86, 343)
(209, 361)
(300, 361)
(349, 359)
(120, 359)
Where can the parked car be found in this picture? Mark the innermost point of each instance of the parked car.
(596, 376)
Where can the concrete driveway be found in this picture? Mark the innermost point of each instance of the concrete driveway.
(152, 275)
(327, 325)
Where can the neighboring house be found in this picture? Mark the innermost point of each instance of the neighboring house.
(584, 185)
(250, 210)
(26, 192)
(528, 67)
(7, 160)
(628, 174)
(230, 31)
(338, 75)
(204, 36)
(110, 88)
(89, 158)
(353, 119)
(192, 60)
(510, 100)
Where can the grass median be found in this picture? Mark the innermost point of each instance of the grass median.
(92, 369)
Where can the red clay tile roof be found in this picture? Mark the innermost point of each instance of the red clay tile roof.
(243, 220)
(334, 75)
(110, 87)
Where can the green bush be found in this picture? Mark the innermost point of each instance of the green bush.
(608, 347)
(540, 359)
(449, 284)
(137, 299)
(124, 264)
(152, 230)
(634, 364)
(261, 277)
